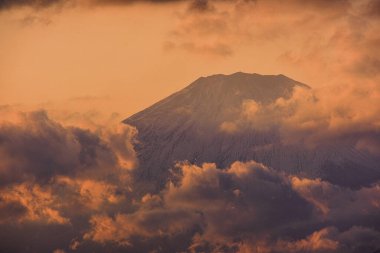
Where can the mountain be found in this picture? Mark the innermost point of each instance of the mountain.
(197, 124)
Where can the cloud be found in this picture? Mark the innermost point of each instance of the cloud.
(346, 114)
(38, 149)
(247, 208)
(228, 127)
(318, 241)
(323, 32)
(330, 239)
(331, 201)
(87, 194)
(334, 129)
(33, 203)
(244, 201)
(198, 5)
(195, 5)
(201, 5)
(56, 177)
(211, 30)
(374, 8)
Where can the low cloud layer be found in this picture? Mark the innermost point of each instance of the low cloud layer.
(74, 186)
(317, 115)
(54, 176)
(337, 123)
(246, 208)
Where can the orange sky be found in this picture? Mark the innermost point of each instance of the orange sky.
(129, 56)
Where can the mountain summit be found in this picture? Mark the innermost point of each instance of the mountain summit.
(209, 100)
(199, 124)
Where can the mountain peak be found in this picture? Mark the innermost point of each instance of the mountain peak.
(187, 124)
(278, 84)
(249, 76)
(214, 96)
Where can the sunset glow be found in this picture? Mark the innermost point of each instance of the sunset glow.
(245, 126)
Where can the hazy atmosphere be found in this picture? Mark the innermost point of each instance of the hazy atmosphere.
(190, 126)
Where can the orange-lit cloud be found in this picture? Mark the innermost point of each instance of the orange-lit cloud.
(93, 198)
(228, 210)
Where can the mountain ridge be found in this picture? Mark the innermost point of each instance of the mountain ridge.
(215, 78)
(189, 125)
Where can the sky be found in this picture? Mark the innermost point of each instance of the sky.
(71, 70)
(130, 54)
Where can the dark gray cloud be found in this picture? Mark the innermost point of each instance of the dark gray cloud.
(322, 4)
(73, 185)
(78, 192)
(246, 206)
(40, 148)
(197, 5)
(55, 177)
(6, 4)
(374, 8)
(201, 5)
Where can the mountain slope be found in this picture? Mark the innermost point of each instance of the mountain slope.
(194, 124)
(214, 95)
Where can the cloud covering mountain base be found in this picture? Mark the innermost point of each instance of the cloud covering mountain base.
(75, 186)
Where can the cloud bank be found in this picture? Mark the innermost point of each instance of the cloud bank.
(73, 185)
(194, 5)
